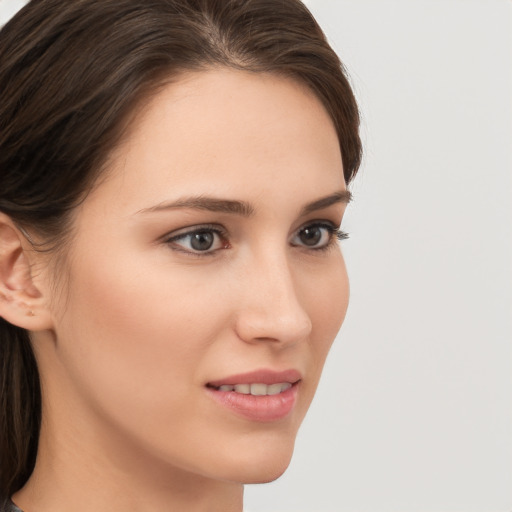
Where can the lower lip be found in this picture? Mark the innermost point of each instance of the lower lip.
(262, 408)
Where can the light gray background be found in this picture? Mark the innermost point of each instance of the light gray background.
(414, 412)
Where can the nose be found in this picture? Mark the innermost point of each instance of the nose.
(269, 308)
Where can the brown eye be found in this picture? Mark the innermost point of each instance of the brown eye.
(310, 236)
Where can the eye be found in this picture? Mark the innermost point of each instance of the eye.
(319, 235)
(204, 239)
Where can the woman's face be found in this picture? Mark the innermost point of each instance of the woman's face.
(207, 257)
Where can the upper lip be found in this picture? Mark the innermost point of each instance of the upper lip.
(262, 376)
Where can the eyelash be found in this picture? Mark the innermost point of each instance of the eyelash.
(335, 234)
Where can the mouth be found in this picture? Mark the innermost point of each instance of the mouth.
(256, 388)
(260, 396)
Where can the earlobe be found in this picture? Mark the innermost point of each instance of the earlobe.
(21, 301)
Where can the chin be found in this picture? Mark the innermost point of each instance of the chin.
(267, 475)
(264, 463)
(262, 474)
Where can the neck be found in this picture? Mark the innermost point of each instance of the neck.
(80, 472)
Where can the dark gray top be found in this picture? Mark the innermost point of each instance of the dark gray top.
(6, 505)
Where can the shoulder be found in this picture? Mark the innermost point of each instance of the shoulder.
(6, 505)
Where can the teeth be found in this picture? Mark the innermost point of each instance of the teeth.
(274, 389)
(257, 389)
(243, 388)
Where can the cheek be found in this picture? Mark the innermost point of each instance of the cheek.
(137, 334)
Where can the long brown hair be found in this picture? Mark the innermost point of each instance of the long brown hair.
(72, 72)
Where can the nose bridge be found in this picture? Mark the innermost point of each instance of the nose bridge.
(271, 308)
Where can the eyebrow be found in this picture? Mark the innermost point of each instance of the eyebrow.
(343, 196)
(210, 204)
(242, 208)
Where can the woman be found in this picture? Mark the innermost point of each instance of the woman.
(173, 175)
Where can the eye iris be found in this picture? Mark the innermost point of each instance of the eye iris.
(202, 240)
(311, 235)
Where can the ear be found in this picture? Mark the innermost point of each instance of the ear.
(21, 301)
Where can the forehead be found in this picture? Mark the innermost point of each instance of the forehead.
(233, 129)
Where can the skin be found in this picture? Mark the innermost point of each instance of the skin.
(141, 324)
